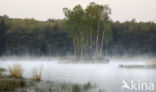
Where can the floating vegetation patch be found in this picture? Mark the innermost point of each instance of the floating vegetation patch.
(138, 66)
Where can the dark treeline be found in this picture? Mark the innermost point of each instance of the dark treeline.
(28, 36)
(32, 37)
(133, 38)
(52, 37)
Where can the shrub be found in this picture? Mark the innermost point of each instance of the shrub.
(16, 71)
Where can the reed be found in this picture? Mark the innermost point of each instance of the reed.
(37, 75)
(16, 71)
(0, 73)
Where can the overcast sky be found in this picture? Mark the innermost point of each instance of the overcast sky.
(122, 10)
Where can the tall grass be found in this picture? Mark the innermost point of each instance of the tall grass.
(16, 71)
(76, 88)
(0, 73)
(8, 85)
(37, 75)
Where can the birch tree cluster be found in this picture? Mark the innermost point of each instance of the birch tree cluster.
(89, 28)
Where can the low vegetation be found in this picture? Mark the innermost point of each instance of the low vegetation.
(76, 88)
(0, 73)
(138, 66)
(88, 86)
(16, 71)
(15, 83)
(37, 75)
(10, 84)
(81, 88)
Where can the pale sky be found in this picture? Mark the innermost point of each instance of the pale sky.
(122, 10)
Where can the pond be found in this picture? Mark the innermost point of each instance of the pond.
(108, 77)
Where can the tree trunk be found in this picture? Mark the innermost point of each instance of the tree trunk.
(97, 39)
(101, 48)
(91, 43)
(106, 48)
(81, 43)
(74, 47)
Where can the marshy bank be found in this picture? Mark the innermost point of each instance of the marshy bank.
(8, 84)
(14, 83)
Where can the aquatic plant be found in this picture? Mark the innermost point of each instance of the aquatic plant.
(87, 86)
(7, 84)
(37, 75)
(16, 71)
(0, 73)
(64, 86)
(76, 88)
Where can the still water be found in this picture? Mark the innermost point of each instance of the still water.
(108, 77)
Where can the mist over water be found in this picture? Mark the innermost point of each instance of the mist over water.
(107, 76)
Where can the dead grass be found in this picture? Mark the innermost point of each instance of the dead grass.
(37, 75)
(16, 71)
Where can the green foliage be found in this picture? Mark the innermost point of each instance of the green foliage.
(32, 37)
(108, 34)
(84, 26)
(83, 32)
(133, 38)
(2, 35)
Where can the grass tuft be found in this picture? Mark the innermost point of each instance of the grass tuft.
(87, 86)
(16, 71)
(37, 75)
(76, 88)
